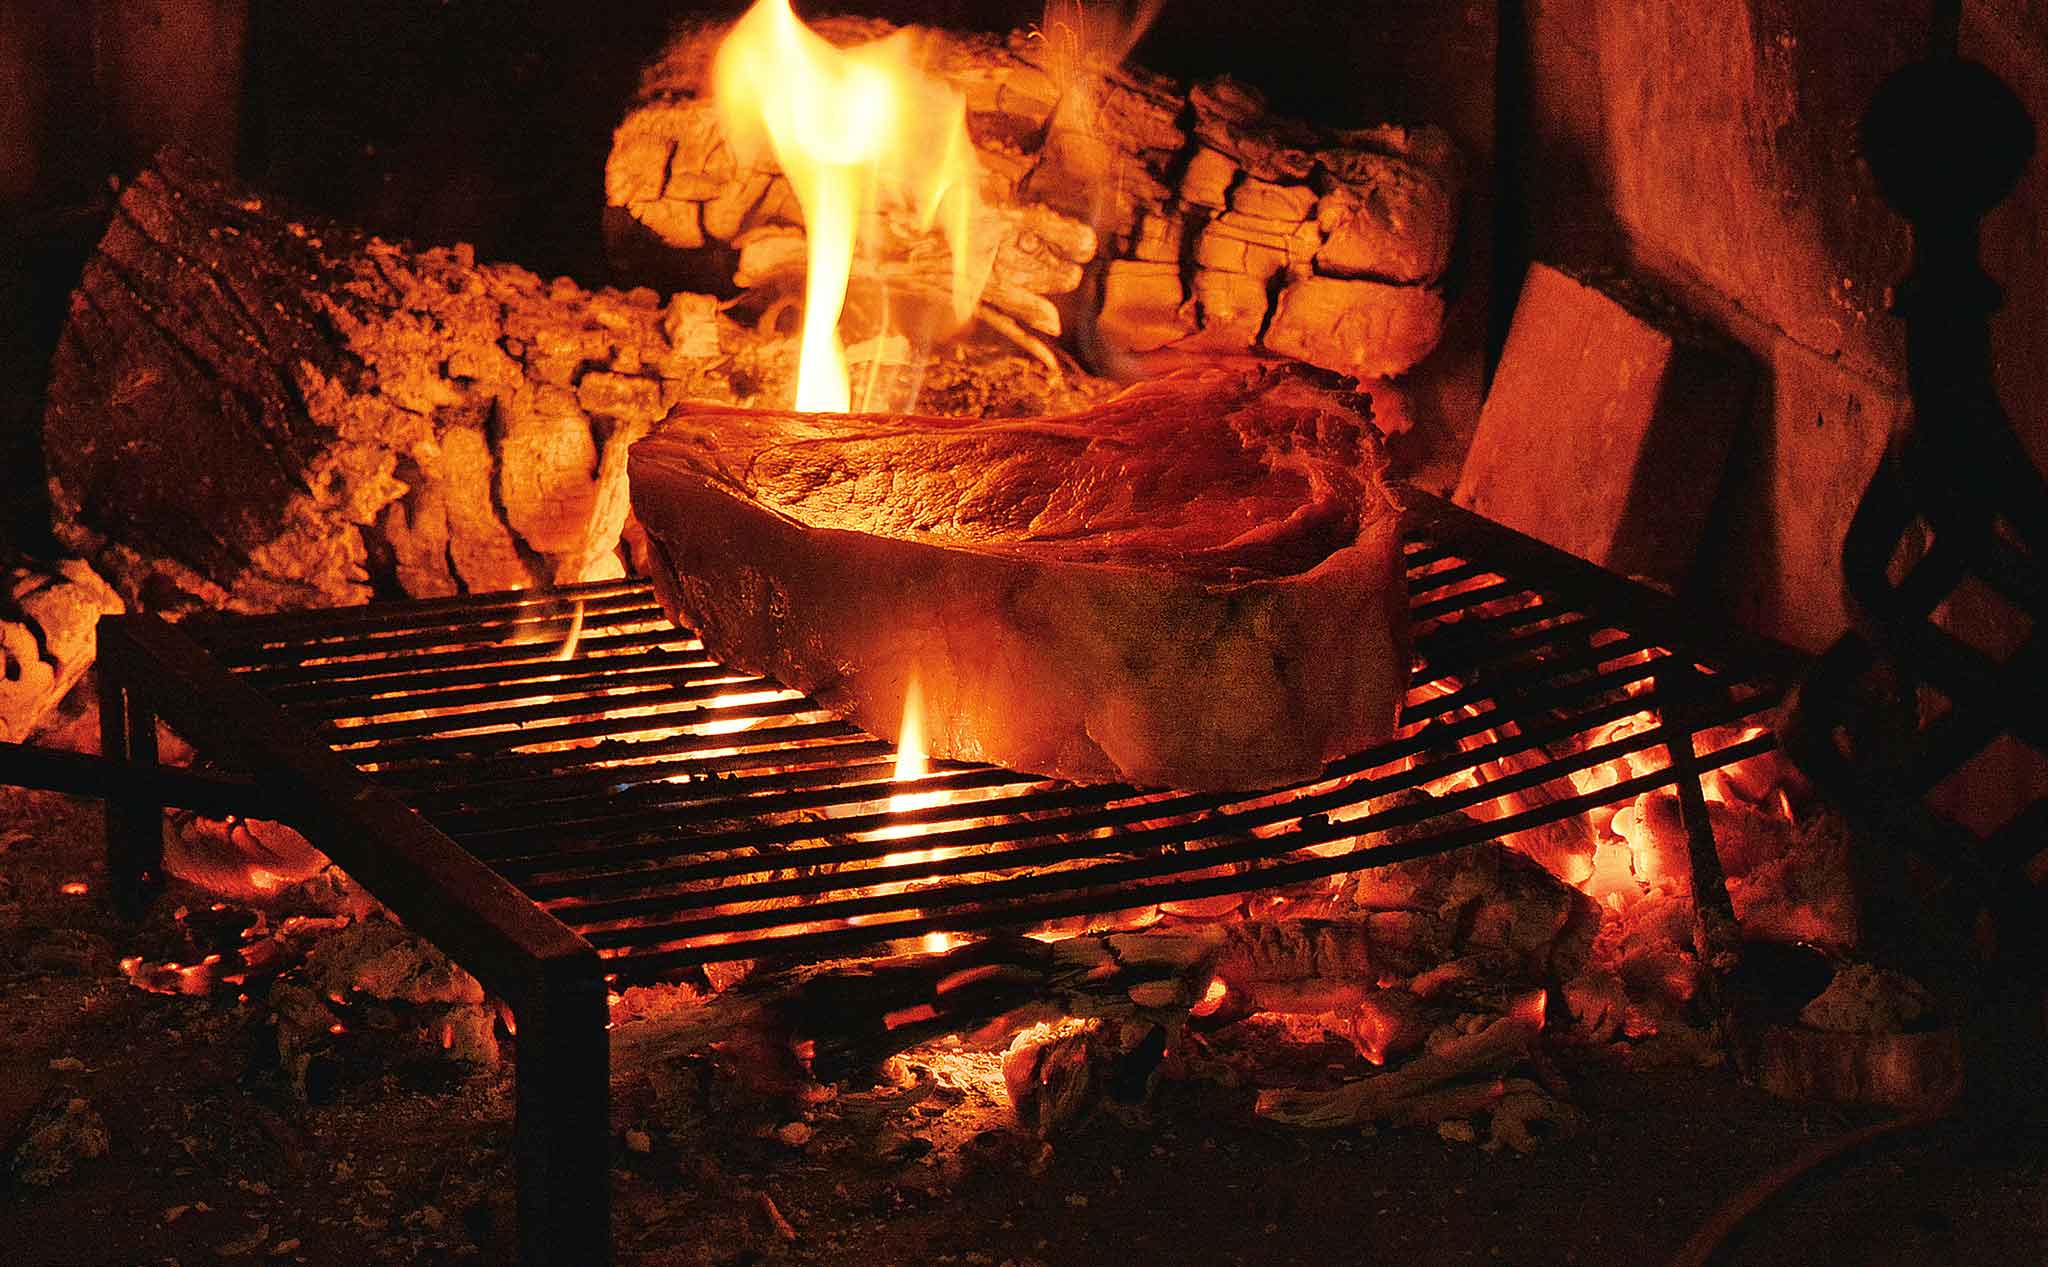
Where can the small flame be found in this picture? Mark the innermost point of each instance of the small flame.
(850, 128)
(574, 636)
(76, 888)
(912, 761)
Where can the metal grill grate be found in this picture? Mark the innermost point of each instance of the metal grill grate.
(674, 812)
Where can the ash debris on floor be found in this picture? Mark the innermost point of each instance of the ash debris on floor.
(149, 1127)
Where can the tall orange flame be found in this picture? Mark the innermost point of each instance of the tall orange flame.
(851, 129)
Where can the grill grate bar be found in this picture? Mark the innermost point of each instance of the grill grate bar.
(221, 630)
(645, 793)
(443, 747)
(781, 742)
(601, 799)
(1466, 599)
(633, 854)
(369, 697)
(594, 686)
(1421, 582)
(599, 694)
(321, 680)
(1172, 819)
(623, 610)
(686, 810)
(681, 787)
(566, 898)
(1118, 880)
(1001, 904)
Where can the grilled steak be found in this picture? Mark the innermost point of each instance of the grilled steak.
(1196, 583)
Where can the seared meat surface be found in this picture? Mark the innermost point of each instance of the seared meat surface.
(1196, 583)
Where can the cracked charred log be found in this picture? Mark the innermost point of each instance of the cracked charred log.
(257, 409)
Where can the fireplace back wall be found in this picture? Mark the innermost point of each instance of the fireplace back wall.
(1713, 145)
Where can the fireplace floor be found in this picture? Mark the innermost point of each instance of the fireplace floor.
(208, 1148)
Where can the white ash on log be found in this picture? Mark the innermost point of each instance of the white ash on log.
(48, 613)
(1436, 1085)
(1140, 215)
(371, 996)
(256, 410)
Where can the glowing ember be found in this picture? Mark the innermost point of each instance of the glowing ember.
(851, 129)
(76, 888)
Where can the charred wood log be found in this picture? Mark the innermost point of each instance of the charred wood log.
(1146, 218)
(1433, 1086)
(47, 618)
(256, 410)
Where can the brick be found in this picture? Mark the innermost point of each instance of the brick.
(1608, 426)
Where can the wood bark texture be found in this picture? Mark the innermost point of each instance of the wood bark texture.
(1145, 219)
(256, 410)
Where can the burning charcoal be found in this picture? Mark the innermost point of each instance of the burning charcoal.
(244, 860)
(1388, 1023)
(1597, 1002)
(770, 1216)
(1803, 892)
(58, 1139)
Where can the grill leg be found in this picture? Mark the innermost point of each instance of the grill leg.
(562, 1141)
(135, 821)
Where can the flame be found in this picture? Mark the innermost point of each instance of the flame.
(571, 639)
(851, 129)
(912, 763)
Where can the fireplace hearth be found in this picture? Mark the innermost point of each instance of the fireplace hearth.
(776, 986)
(564, 793)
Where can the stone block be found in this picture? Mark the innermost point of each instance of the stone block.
(1608, 426)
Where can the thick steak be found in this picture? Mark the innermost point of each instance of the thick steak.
(1196, 583)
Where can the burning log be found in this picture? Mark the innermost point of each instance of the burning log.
(1146, 218)
(257, 410)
